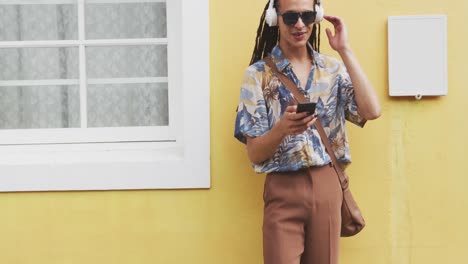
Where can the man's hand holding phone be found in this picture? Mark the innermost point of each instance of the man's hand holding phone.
(294, 122)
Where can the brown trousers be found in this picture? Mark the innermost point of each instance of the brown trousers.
(302, 217)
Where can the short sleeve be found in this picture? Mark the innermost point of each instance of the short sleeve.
(252, 118)
(349, 100)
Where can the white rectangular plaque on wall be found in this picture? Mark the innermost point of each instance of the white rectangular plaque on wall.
(417, 55)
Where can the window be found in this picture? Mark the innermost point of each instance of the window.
(95, 94)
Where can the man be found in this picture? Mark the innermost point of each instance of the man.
(302, 193)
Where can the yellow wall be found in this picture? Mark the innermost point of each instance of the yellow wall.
(408, 174)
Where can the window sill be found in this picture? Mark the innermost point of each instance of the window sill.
(112, 166)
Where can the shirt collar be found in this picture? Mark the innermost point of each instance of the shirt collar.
(282, 63)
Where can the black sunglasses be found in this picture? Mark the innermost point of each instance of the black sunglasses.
(290, 18)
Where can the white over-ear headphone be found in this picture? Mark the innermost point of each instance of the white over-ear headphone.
(320, 12)
(271, 16)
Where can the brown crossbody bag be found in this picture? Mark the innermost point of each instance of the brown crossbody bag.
(352, 221)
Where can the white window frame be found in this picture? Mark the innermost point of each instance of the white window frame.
(178, 159)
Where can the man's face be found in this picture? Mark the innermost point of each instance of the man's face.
(296, 35)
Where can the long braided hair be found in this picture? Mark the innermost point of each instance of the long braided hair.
(267, 37)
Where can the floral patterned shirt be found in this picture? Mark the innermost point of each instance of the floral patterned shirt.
(263, 101)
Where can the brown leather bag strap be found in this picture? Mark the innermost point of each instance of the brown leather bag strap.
(292, 87)
(298, 96)
(339, 171)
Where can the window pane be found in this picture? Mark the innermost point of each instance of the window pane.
(113, 105)
(127, 61)
(38, 22)
(126, 20)
(39, 107)
(38, 63)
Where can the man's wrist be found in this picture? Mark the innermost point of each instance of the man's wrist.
(345, 51)
(278, 131)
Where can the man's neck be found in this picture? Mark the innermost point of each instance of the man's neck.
(295, 55)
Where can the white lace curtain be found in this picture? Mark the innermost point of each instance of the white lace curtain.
(108, 105)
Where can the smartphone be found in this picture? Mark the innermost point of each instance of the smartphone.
(309, 108)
